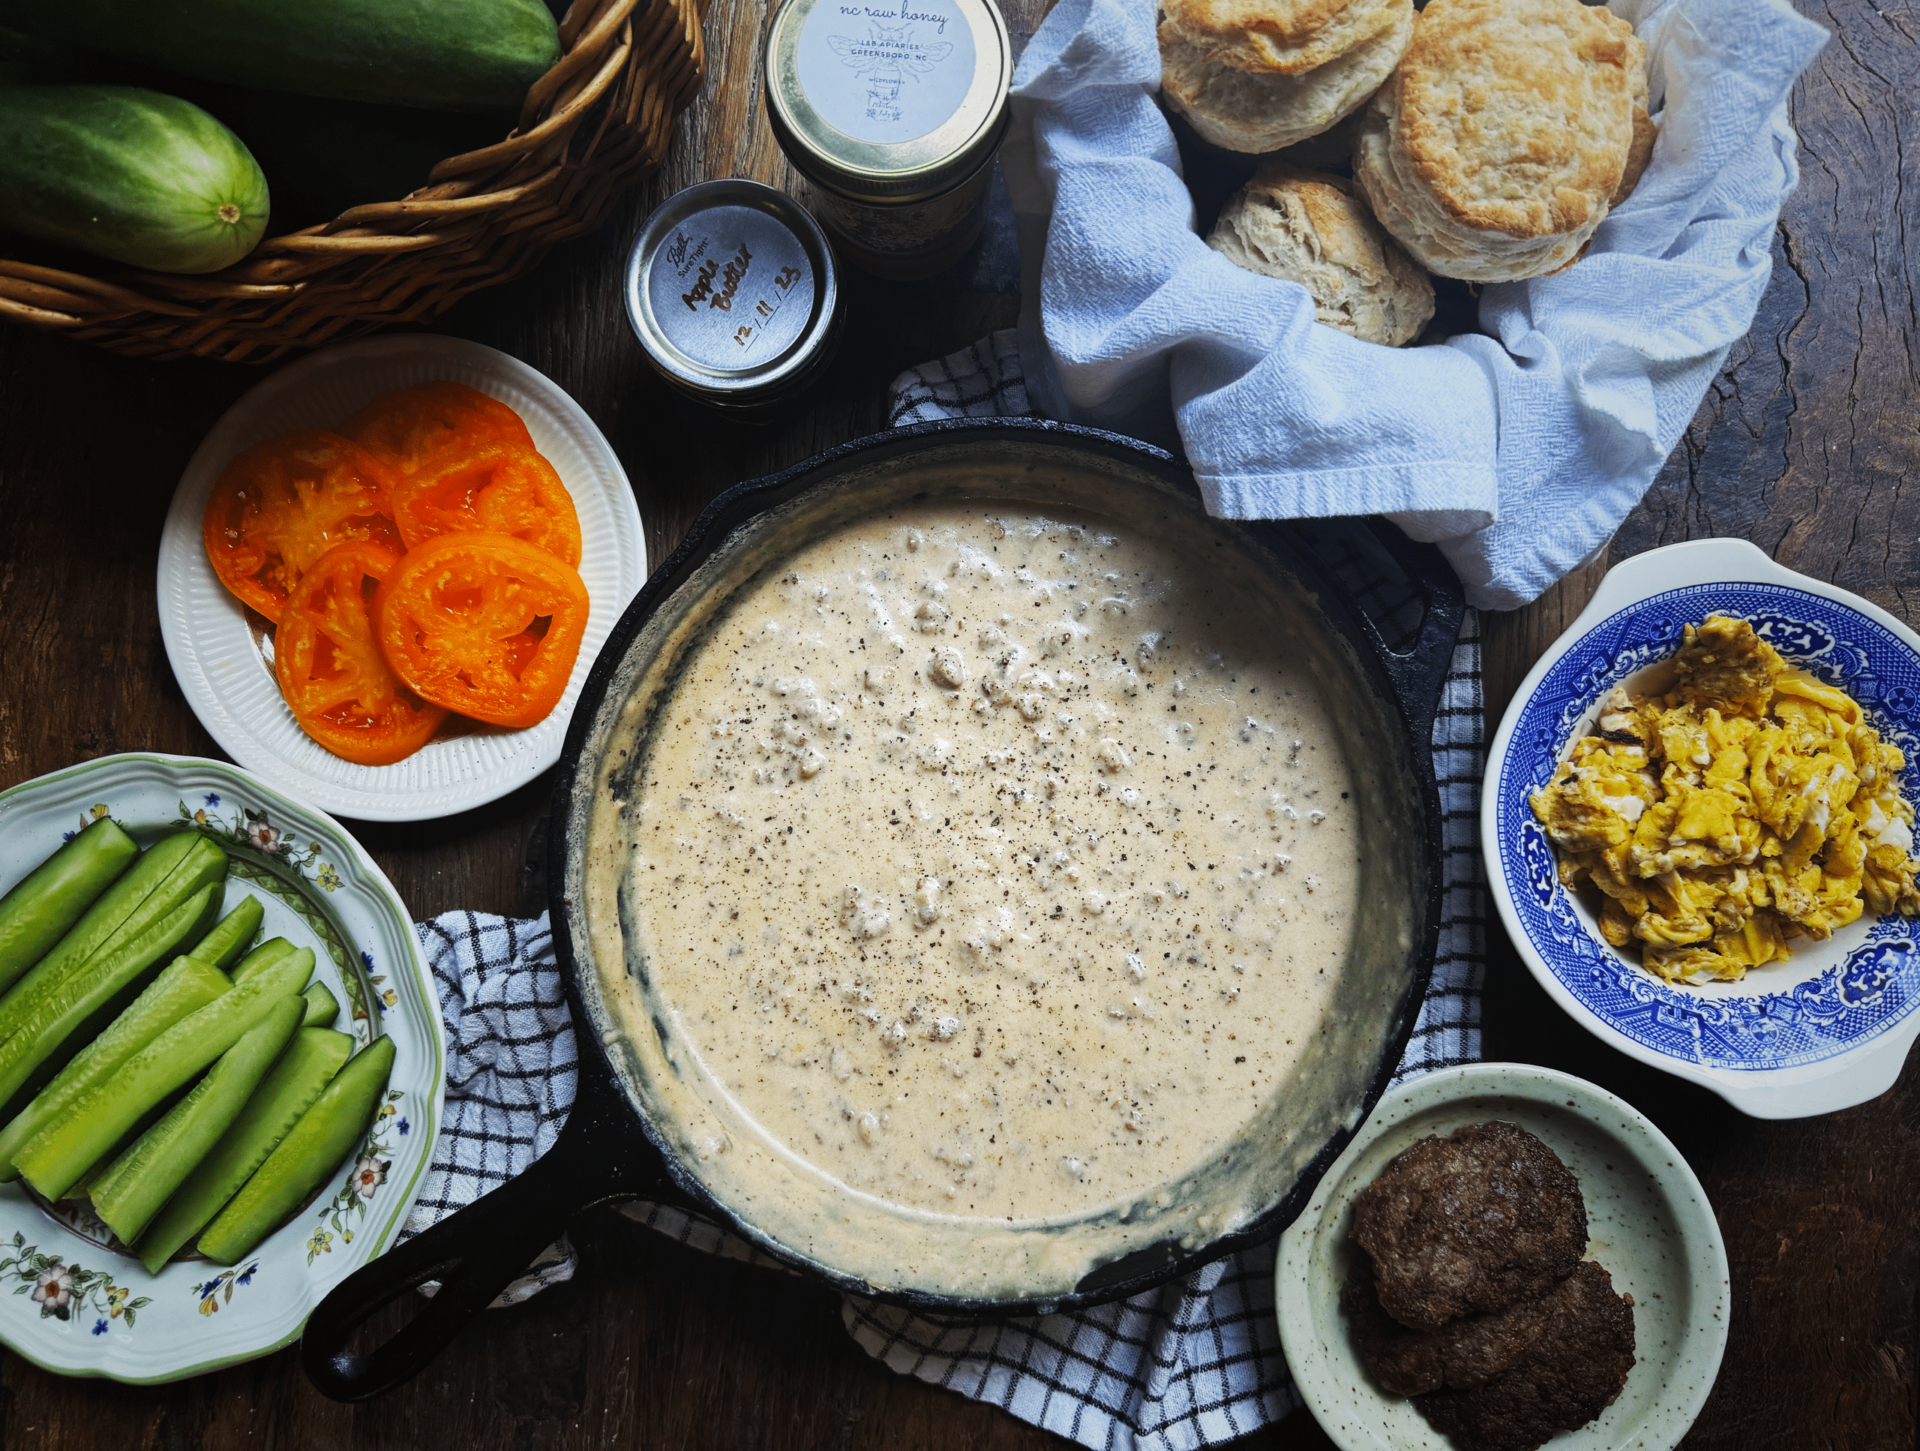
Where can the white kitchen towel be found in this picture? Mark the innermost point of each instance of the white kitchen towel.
(511, 1070)
(1519, 449)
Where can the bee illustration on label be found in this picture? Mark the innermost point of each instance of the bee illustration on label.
(886, 60)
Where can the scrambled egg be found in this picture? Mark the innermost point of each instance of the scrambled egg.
(1745, 807)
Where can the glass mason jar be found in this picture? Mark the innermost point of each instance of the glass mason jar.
(893, 111)
(733, 293)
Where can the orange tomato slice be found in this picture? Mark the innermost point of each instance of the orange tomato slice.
(483, 624)
(280, 506)
(330, 668)
(407, 428)
(489, 488)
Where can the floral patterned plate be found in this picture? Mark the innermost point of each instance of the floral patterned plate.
(71, 1300)
(1825, 1030)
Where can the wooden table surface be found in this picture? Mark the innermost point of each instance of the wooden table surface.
(1809, 445)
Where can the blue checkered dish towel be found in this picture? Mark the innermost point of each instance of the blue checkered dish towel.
(1194, 1363)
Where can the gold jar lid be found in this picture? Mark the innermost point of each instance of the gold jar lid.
(888, 102)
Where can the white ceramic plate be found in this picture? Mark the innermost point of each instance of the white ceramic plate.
(1652, 1229)
(222, 659)
(73, 1303)
(1826, 1029)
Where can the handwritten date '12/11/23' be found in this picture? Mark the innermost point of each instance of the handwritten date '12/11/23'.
(730, 277)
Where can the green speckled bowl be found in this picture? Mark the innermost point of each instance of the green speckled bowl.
(1652, 1229)
(71, 1300)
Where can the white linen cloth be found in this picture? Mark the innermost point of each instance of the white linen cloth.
(1518, 451)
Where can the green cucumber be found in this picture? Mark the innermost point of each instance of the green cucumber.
(232, 935)
(263, 956)
(128, 174)
(67, 1147)
(322, 1007)
(306, 1068)
(452, 55)
(326, 1134)
(142, 1179)
(82, 1188)
(59, 1012)
(104, 918)
(46, 902)
(186, 986)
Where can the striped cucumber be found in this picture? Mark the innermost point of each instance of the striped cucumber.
(60, 1011)
(46, 902)
(184, 987)
(232, 935)
(130, 174)
(451, 55)
(142, 1179)
(326, 1134)
(306, 1068)
(322, 1006)
(66, 1148)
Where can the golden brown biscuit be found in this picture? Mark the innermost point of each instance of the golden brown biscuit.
(1266, 110)
(1638, 155)
(1495, 149)
(1283, 36)
(1309, 228)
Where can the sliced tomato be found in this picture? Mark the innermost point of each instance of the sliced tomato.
(484, 624)
(408, 428)
(330, 668)
(489, 488)
(282, 505)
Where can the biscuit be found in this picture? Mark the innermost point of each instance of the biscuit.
(1286, 37)
(1309, 228)
(1494, 151)
(1470, 1224)
(1265, 110)
(1645, 133)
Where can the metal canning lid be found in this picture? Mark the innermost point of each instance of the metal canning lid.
(892, 101)
(733, 292)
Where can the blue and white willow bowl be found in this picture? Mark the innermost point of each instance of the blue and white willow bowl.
(1829, 1028)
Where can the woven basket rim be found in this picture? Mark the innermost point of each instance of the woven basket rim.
(593, 123)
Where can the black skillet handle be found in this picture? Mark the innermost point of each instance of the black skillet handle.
(1418, 675)
(476, 1252)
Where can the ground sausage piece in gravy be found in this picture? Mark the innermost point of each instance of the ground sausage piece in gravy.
(995, 865)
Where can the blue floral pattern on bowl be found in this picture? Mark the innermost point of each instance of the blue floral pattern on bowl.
(1867, 993)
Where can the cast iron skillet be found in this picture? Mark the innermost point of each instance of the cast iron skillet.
(611, 1150)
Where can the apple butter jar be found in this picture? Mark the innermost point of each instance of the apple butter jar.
(733, 293)
(893, 111)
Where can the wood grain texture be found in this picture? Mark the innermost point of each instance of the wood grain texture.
(1808, 445)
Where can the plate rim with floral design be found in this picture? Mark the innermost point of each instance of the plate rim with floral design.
(70, 1300)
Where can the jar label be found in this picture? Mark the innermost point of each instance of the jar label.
(886, 72)
(731, 287)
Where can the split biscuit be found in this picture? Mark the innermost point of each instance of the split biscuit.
(1495, 150)
(1287, 37)
(1260, 111)
(1309, 228)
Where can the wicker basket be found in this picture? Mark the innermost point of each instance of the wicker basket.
(592, 126)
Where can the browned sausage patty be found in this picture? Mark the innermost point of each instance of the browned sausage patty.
(1572, 1373)
(1470, 1224)
(1462, 1353)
